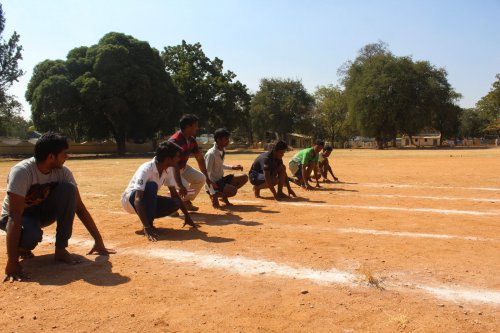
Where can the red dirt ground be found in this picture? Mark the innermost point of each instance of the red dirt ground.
(207, 285)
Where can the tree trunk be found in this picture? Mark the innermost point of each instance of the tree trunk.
(250, 137)
(120, 146)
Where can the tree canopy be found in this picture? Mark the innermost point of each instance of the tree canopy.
(207, 90)
(281, 106)
(330, 114)
(117, 88)
(10, 54)
(389, 95)
(488, 108)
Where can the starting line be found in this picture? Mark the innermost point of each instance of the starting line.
(255, 267)
(417, 197)
(419, 210)
(251, 267)
(424, 186)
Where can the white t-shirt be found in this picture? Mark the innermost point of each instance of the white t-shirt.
(147, 172)
(27, 181)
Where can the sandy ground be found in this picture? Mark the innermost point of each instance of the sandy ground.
(410, 241)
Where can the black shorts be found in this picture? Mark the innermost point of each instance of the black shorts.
(254, 178)
(221, 183)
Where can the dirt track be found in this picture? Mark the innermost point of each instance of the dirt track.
(409, 242)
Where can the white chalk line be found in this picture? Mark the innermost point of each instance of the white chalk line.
(409, 234)
(357, 231)
(251, 267)
(415, 197)
(423, 186)
(94, 194)
(419, 210)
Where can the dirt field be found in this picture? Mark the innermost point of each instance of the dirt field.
(409, 242)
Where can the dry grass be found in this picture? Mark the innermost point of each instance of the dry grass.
(371, 279)
(401, 321)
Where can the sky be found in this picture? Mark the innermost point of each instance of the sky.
(306, 40)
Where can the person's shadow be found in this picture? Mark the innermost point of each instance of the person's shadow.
(46, 271)
(190, 234)
(291, 199)
(221, 220)
(246, 208)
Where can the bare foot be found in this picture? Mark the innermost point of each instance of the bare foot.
(64, 256)
(282, 195)
(225, 200)
(256, 192)
(215, 202)
(25, 253)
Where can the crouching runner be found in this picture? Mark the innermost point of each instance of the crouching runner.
(141, 195)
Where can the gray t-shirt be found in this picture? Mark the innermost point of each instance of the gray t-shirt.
(26, 180)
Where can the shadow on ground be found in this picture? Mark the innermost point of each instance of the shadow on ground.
(46, 271)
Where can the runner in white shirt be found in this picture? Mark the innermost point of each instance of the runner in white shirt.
(223, 186)
(141, 195)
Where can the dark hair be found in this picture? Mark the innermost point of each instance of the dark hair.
(166, 149)
(327, 148)
(280, 145)
(50, 143)
(221, 133)
(320, 142)
(186, 120)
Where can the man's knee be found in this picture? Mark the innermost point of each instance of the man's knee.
(65, 189)
(151, 187)
(230, 190)
(200, 178)
(30, 237)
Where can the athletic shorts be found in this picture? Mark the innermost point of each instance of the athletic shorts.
(256, 178)
(221, 183)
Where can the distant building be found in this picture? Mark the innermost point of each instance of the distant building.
(421, 140)
(295, 140)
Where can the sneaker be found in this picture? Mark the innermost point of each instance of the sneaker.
(190, 207)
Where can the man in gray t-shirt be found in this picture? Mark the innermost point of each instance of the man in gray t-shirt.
(40, 191)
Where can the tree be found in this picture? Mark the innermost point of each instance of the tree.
(387, 95)
(206, 90)
(10, 54)
(331, 112)
(488, 107)
(471, 124)
(281, 106)
(116, 88)
(370, 88)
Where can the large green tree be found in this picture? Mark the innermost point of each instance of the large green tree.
(206, 89)
(389, 95)
(281, 106)
(10, 54)
(370, 89)
(330, 114)
(488, 107)
(116, 88)
(471, 124)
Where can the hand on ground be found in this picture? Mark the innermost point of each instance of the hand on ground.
(151, 233)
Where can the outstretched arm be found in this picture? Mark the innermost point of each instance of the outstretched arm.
(178, 180)
(270, 183)
(13, 271)
(87, 220)
(187, 216)
(330, 170)
(203, 168)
